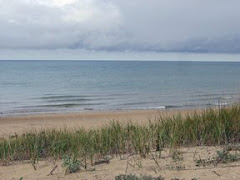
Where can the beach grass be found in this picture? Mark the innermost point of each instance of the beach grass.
(218, 126)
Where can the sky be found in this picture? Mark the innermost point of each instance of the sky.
(120, 29)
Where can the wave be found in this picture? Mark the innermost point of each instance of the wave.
(67, 105)
(173, 107)
(212, 98)
(63, 96)
(133, 103)
(152, 107)
(76, 100)
(6, 103)
(52, 96)
(219, 104)
(217, 94)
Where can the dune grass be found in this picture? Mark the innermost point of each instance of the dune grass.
(211, 127)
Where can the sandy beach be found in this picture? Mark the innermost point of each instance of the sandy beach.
(167, 167)
(21, 124)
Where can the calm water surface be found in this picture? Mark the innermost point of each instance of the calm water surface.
(28, 87)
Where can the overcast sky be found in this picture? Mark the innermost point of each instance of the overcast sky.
(115, 29)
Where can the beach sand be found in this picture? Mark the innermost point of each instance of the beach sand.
(166, 167)
(21, 124)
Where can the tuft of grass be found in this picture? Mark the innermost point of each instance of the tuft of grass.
(222, 156)
(211, 127)
(177, 156)
(71, 165)
(152, 178)
(126, 177)
(134, 177)
(225, 157)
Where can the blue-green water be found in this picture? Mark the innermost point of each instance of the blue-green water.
(73, 86)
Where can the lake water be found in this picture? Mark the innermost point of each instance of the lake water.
(29, 87)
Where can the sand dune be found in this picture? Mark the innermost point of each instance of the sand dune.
(168, 168)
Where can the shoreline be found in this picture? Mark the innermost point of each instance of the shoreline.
(11, 125)
(163, 108)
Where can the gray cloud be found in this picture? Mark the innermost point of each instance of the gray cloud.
(121, 25)
(40, 24)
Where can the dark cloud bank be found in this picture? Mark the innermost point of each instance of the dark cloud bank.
(121, 25)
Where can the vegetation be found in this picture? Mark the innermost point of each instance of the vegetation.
(211, 127)
(71, 165)
(134, 177)
(222, 157)
(225, 157)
